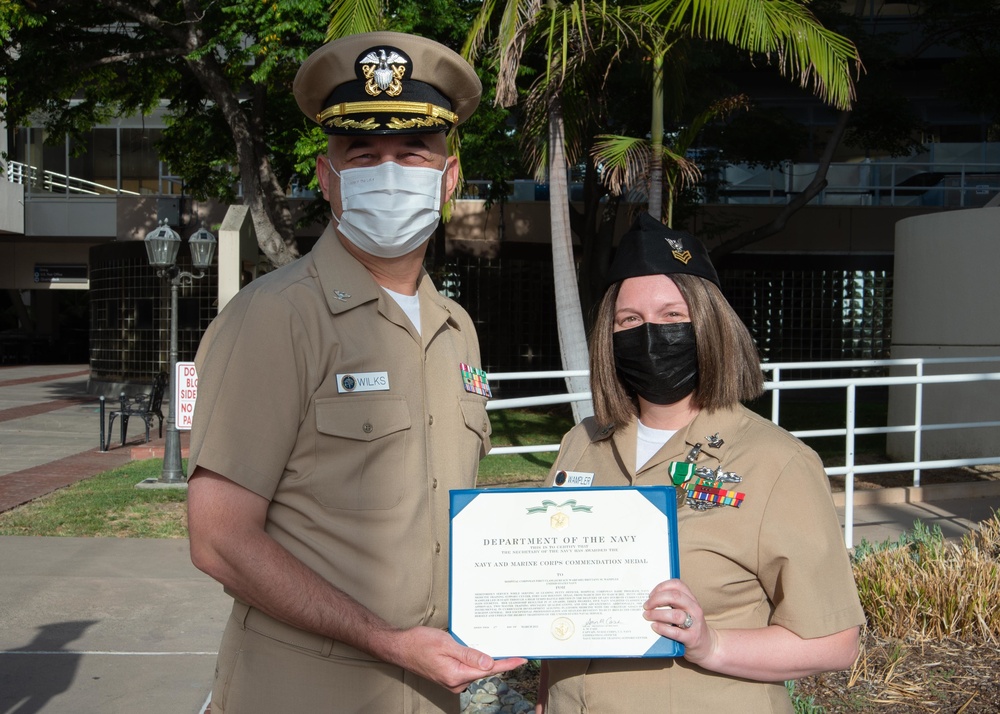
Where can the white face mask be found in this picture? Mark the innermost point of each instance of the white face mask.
(389, 210)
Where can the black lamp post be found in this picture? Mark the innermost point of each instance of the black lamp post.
(162, 245)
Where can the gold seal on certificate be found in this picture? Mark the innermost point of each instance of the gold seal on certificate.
(561, 572)
(562, 628)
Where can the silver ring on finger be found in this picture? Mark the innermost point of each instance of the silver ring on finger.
(688, 621)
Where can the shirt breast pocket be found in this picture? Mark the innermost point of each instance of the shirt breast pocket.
(361, 452)
(477, 421)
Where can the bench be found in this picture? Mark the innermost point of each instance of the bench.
(142, 406)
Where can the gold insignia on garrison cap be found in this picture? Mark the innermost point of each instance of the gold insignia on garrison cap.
(386, 83)
(677, 250)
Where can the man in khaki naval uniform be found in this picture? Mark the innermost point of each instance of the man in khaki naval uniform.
(335, 412)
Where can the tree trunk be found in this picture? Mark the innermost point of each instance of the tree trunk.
(262, 194)
(656, 142)
(569, 317)
(817, 184)
(594, 226)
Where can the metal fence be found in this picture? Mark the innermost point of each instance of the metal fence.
(779, 383)
(796, 310)
(952, 180)
(55, 182)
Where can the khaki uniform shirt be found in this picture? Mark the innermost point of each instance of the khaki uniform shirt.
(357, 469)
(777, 559)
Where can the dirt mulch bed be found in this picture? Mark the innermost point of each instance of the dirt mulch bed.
(912, 678)
(948, 677)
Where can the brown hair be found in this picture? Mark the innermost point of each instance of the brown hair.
(728, 362)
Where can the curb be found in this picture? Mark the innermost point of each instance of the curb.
(920, 494)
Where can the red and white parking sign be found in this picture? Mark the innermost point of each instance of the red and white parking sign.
(185, 392)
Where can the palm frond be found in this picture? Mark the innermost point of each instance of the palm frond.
(623, 161)
(718, 110)
(784, 30)
(678, 170)
(624, 164)
(349, 17)
(476, 38)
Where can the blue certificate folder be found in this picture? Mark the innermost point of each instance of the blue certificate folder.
(543, 573)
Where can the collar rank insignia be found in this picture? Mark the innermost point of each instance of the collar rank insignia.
(384, 69)
(677, 250)
(341, 295)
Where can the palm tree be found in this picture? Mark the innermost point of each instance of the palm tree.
(567, 34)
(628, 161)
(784, 31)
(352, 17)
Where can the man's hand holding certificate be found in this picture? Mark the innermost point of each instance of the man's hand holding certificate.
(561, 572)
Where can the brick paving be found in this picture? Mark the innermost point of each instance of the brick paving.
(30, 410)
(20, 487)
(41, 378)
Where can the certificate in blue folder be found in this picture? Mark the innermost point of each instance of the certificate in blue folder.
(561, 572)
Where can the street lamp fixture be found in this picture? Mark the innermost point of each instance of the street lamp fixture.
(162, 246)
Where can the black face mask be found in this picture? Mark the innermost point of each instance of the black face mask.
(658, 362)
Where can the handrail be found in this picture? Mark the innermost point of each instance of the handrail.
(20, 173)
(876, 182)
(851, 431)
(956, 183)
(959, 183)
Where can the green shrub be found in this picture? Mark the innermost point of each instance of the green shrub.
(926, 587)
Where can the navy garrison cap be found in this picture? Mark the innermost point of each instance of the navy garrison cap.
(386, 83)
(650, 248)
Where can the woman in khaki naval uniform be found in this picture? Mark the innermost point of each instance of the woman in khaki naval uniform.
(334, 415)
(765, 592)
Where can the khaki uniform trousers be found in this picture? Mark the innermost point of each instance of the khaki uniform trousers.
(268, 667)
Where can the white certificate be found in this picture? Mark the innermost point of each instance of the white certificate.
(561, 572)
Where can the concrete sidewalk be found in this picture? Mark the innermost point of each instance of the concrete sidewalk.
(104, 625)
(97, 625)
(92, 625)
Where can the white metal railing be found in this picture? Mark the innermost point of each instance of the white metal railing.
(949, 183)
(778, 384)
(952, 184)
(54, 182)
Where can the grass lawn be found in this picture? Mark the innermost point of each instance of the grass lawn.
(800, 412)
(523, 428)
(109, 505)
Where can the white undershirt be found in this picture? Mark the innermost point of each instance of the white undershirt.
(648, 442)
(410, 304)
